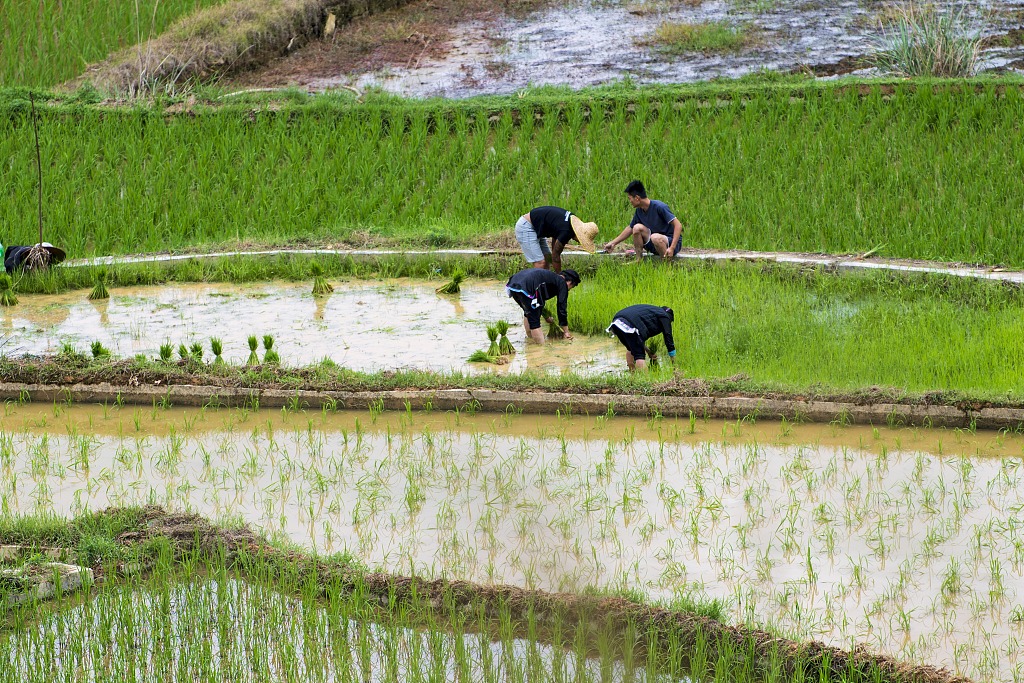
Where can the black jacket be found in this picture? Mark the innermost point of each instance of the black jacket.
(543, 284)
(649, 321)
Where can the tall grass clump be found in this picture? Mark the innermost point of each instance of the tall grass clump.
(927, 41)
(7, 295)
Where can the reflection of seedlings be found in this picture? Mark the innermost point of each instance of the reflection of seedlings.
(253, 345)
(677, 38)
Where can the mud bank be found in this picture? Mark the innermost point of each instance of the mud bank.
(547, 403)
(243, 549)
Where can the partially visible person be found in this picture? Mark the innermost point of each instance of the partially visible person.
(634, 325)
(15, 257)
(532, 288)
(534, 229)
(654, 227)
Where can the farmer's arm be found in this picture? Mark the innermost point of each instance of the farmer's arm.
(563, 310)
(624, 235)
(677, 232)
(556, 255)
(666, 333)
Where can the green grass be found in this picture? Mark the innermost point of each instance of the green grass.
(677, 38)
(45, 42)
(930, 172)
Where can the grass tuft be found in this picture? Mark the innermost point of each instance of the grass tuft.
(926, 41)
(677, 38)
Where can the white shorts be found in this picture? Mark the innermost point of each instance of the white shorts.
(535, 248)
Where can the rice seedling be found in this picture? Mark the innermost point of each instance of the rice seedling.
(453, 286)
(505, 347)
(655, 348)
(7, 295)
(802, 177)
(320, 285)
(183, 353)
(480, 356)
(166, 351)
(99, 290)
(99, 351)
(253, 345)
(217, 347)
(195, 351)
(270, 356)
(492, 334)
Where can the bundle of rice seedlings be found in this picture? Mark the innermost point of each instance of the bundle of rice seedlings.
(455, 286)
(480, 357)
(321, 287)
(197, 351)
(7, 296)
(655, 350)
(555, 330)
(492, 334)
(218, 348)
(166, 350)
(270, 357)
(183, 352)
(505, 347)
(99, 351)
(253, 344)
(99, 291)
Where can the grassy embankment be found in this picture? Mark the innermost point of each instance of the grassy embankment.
(769, 329)
(215, 603)
(45, 43)
(928, 172)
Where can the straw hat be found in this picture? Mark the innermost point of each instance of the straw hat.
(56, 253)
(586, 233)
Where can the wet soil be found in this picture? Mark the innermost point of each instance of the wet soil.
(366, 326)
(829, 532)
(458, 48)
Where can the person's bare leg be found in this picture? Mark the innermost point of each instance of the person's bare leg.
(641, 364)
(640, 236)
(540, 264)
(629, 361)
(526, 326)
(537, 336)
(660, 244)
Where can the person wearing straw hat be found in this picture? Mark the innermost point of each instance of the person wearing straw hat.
(534, 229)
(635, 324)
(16, 257)
(532, 287)
(654, 227)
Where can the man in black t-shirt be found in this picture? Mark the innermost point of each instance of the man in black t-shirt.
(532, 287)
(634, 325)
(534, 229)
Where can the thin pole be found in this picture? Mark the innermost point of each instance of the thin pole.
(39, 165)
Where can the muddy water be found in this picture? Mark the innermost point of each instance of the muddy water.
(239, 631)
(362, 326)
(595, 41)
(908, 541)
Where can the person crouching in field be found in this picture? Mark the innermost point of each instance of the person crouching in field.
(634, 325)
(532, 287)
(654, 227)
(534, 229)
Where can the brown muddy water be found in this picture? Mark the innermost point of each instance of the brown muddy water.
(909, 541)
(593, 42)
(366, 326)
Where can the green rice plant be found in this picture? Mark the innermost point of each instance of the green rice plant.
(99, 351)
(492, 334)
(320, 285)
(99, 291)
(555, 330)
(927, 41)
(217, 347)
(196, 352)
(7, 295)
(166, 351)
(480, 356)
(505, 347)
(655, 350)
(270, 356)
(454, 286)
(253, 345)
(183, 353)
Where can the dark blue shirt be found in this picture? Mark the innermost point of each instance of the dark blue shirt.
(657, 218)
(552, 221)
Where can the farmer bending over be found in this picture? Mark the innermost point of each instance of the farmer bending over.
(532, 287)
(535, 228)
(654, 227)
(634, 325)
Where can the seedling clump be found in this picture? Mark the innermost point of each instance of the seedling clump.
(253, 345)
(270, 357)
(99, 291)
(455, 285)
(7, 296)
(492, 334)
(480, 357)
(197, 351)
(99, 351)
(655, 348)
(183, 353)
(505, 347)
(321, 287)
(218, 348)
(166, 351)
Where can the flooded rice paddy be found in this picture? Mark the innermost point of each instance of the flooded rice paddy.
(593, 42)
(363, 325)
(227, 629)
(909, 541)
